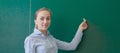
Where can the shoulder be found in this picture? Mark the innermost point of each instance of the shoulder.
(51, 36)
(32, 38)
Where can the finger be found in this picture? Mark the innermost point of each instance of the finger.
(84, 20)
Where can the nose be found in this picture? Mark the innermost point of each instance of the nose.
(45, 21)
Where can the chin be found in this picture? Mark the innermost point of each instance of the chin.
(45, 29)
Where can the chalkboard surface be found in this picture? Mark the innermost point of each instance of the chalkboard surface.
(102, 35)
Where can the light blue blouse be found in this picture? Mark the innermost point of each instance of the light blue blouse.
(38, 43)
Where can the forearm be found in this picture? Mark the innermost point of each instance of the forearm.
(77, 38)
(73, 44)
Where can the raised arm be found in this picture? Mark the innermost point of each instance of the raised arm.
(77, 38)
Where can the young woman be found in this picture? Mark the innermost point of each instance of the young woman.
(41, 41)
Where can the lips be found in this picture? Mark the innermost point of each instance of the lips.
(45, 25)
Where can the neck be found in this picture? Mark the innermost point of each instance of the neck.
(44, 32)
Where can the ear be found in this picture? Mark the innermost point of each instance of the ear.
(35, 21)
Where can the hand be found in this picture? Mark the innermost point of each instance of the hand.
(83, 25)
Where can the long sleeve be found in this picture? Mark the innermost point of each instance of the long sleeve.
(73, 44)
(29, 46)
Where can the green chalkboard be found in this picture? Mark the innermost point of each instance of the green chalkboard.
(14, 25)
(102, 35)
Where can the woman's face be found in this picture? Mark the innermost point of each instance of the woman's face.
(43, 20)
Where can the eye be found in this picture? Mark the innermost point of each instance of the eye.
(48, 18)
(42, 18)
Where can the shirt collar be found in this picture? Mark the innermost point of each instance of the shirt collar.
(36, 31)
